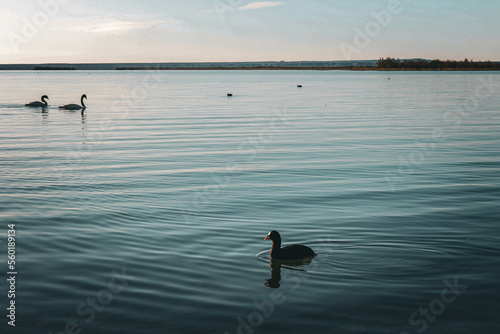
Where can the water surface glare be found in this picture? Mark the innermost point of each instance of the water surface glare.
(147, 213)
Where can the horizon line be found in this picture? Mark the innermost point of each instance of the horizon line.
(242, 61)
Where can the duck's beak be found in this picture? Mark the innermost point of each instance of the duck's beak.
(268, 237)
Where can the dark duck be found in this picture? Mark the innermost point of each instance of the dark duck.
(288, 253)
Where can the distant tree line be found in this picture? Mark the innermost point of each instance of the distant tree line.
(436, 64)
(53, 68)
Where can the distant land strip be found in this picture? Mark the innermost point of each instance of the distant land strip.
(436, 65)
(53, 68)
(243, 68)
(382, 64)
(301, 68)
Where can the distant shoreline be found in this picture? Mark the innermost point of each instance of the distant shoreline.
(242, 68)
(315, 68)
(387, 64)
(302, 69)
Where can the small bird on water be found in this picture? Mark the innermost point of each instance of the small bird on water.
(288, 253)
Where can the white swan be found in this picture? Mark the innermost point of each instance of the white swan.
(38, 104)
(75, 106)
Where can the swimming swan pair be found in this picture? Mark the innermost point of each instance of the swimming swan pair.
(44, 104)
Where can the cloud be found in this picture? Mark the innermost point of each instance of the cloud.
(258, 5)
(117, 27)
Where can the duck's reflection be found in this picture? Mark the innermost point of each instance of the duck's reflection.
(274, 281)
(276, 265)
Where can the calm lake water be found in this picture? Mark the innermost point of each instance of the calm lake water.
(147, 214)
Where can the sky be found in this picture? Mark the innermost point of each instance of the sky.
(90, 31)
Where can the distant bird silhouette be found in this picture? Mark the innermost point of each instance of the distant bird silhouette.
(75, 106)
(300, 86)
(229, 94)
(38, 104)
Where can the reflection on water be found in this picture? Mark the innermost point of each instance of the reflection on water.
(274, 281)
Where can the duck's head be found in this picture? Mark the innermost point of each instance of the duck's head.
(45, 97)
(274, 236)
(84, 96)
